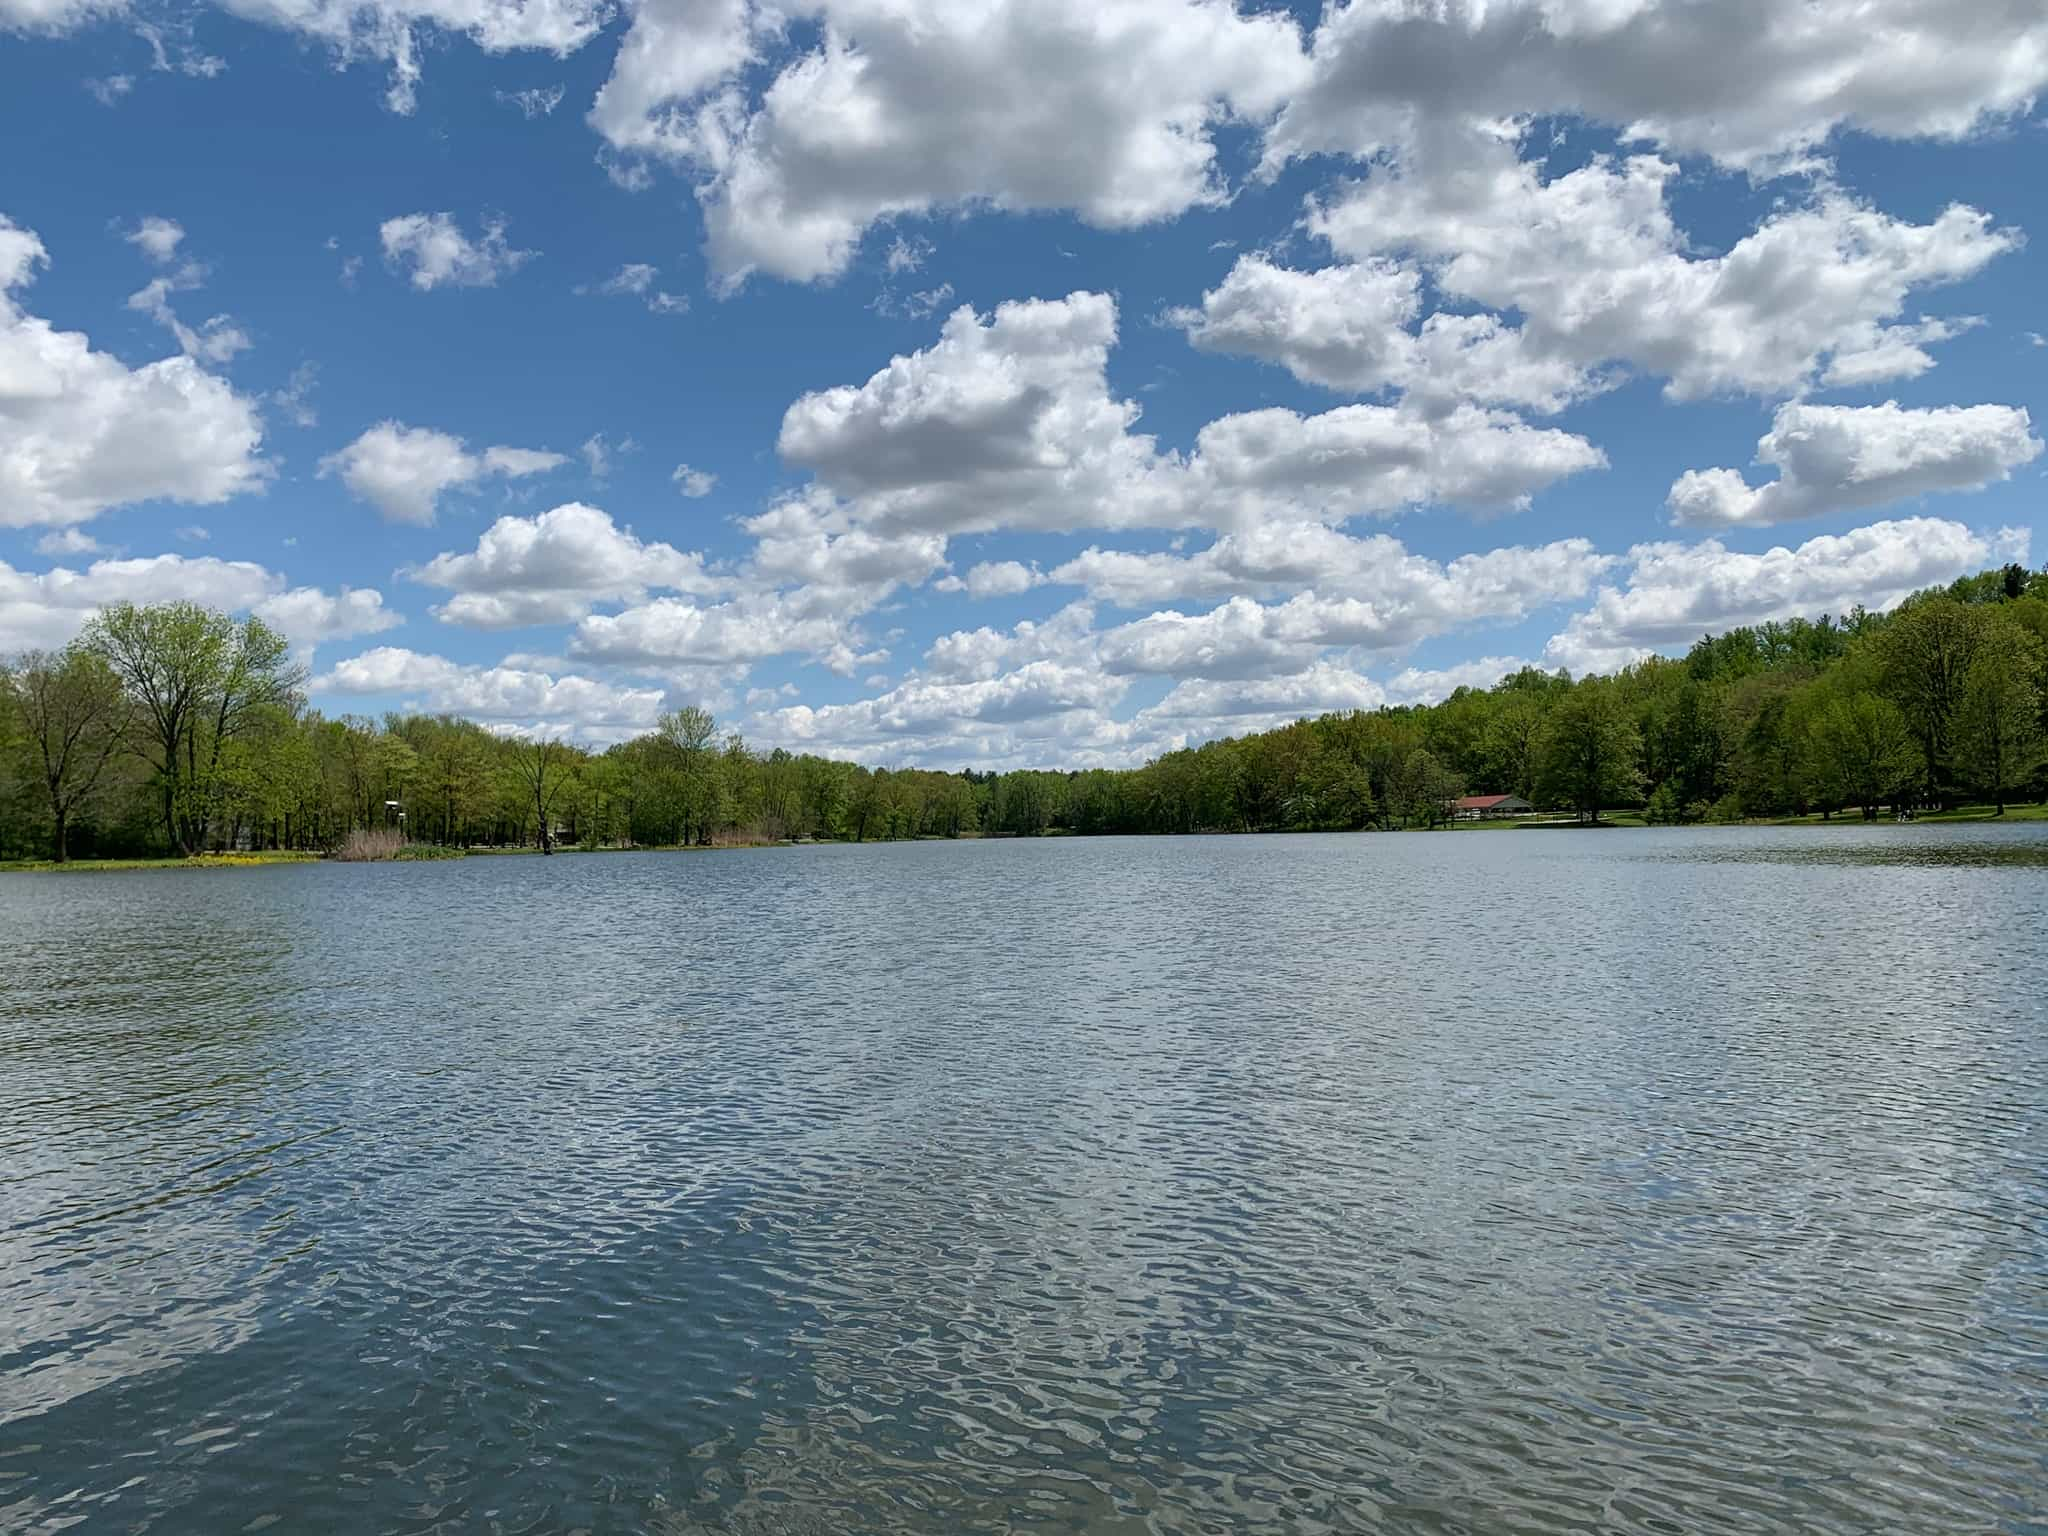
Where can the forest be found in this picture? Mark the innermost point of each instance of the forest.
(177, 730)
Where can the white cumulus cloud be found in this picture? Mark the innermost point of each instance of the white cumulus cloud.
(80, 431)
(1105, 107)
(551, 568)
(403, 471)
(1599, 271)
(1841, 458)
(520, 699)
(1674, 593)
(436, 252)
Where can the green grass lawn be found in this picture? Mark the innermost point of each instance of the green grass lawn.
(1849, 818)
(198, 861)
(1962, 813)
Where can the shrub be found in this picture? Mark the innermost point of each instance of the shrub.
(364, 844)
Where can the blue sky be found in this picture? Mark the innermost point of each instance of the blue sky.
(1051, 383)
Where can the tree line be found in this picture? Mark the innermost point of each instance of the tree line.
(178, 729)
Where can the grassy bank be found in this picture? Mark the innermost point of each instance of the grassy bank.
(1974, 815)
(1981, 815)
(197, 861)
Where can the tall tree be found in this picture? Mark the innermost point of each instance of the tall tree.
(74, 717)
(1589, 751)
(1862, 752)
(543, 767)
(1998, 721)
(199, 680)
(1513, 737)
(689, 741)
(1925, 650)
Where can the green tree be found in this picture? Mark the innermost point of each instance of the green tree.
(1924, 652)
(1588, 758)
(198, 680)
(1514, 735)
(73, 717)
(1998, 722)
(542, 767)
(689, 740)
(1426, 788)
(1863, 752)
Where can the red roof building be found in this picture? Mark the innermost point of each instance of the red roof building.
(1479, 807)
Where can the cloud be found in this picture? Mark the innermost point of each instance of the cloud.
(810, 577)
(1599, 273)
(637, 279)
(109, 89)
(1371, 459)
(919, 304)
(1675, 592)
(521, 699)
(1203, 708)
(598, 452)
(1009, 422)
(68, 541)
(294, 399)
(840, 566)
(217, 341)
(1003, 422)
(1353, 328)
(1412, 685)
(1409, 595)
(934, 719)
(994, 578)
(399, 32)
(191, 62)
(438, 252)
(157, 238)
(48, 610)
(1242, 637)
(80, 431)
(634, 277)
(1840, 458)
(1045, 692)
(404, 470)
(535, 101)
(981, 654)
(551, 568)
(907, 106)
(53, 16)
(671, 632)
(906, 255)
(309, 617)
(1238, 639)
(1754, 84)
(693, 483)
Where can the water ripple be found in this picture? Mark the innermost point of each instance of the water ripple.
(1662, 1182)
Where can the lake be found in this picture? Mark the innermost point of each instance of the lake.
(1626, 1181)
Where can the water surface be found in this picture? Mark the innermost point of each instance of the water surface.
(1686, 1181)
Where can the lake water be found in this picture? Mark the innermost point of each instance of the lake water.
(1633, 1181)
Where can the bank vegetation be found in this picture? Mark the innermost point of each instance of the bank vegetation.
(177, 730)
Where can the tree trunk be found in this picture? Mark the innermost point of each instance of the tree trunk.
(62, 817)
(171, 815)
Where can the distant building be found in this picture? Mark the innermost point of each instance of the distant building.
(1486, 807)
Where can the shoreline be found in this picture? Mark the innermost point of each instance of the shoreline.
(1970, 815)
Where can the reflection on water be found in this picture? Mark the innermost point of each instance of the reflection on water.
(1660, 1181)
